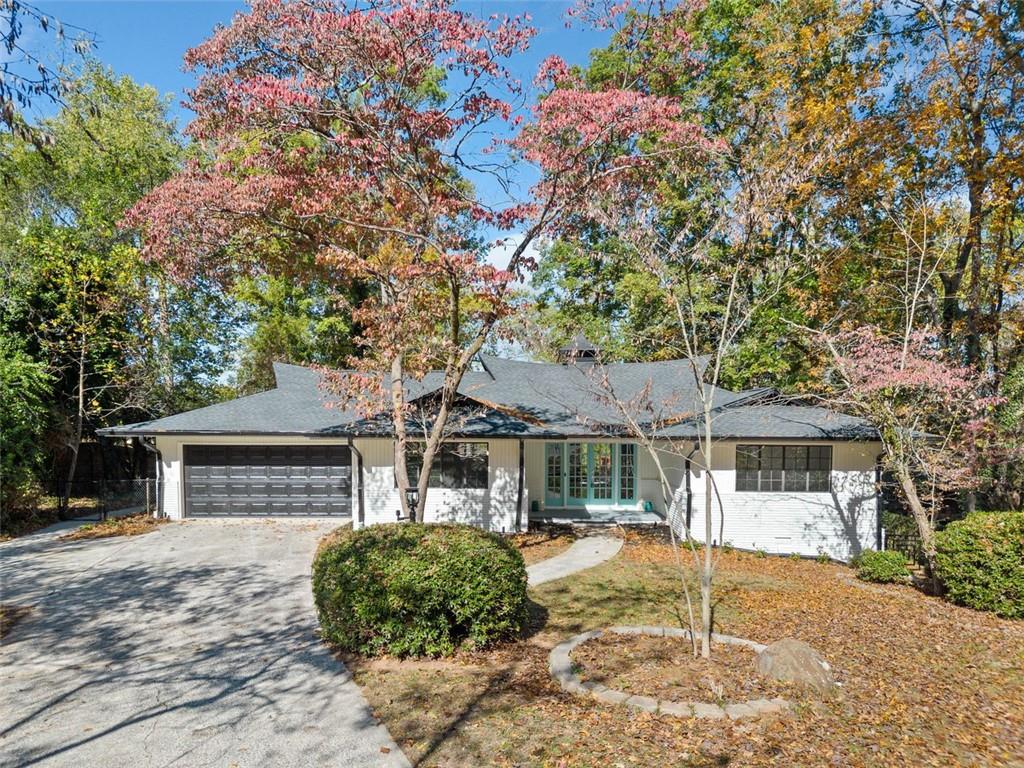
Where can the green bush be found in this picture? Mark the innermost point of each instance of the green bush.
(418, 590)
(882, 567)
(980, 561)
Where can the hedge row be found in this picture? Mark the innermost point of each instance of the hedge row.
(980, 561)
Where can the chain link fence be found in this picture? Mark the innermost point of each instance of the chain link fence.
(99, 499)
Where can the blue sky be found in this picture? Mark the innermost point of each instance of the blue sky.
(147, 39)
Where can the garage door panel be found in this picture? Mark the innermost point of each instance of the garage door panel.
(244, 480)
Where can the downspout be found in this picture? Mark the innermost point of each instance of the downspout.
(879, 544)
(519, 494)
(159, 473)
(689, 490)
(360, 514)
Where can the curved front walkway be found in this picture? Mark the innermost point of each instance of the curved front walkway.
(584, 553)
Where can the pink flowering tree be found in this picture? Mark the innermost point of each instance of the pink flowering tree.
(931, 414)
(341, 137)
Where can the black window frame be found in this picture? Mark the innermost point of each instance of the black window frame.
(773, 468)
(451, 470)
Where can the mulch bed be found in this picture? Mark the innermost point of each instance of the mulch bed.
(665, 668)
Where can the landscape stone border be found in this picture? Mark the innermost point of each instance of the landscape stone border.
(561, 669)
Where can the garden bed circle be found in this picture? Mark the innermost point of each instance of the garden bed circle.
(561, 669)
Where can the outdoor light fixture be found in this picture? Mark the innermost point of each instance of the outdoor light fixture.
(412, 498)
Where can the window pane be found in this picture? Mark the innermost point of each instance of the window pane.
(627, 472)
(796, 457)
(747, 457)
(772, 457)
(601, 456)
(465, 465)
(771, 479)
(456, 465)
(554, 470)
(796, 479)
(820, 457)
(819, 481)
(746, 480)
(577, 470)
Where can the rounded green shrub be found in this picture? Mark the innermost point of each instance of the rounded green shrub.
(418, 590)
(980, 561)
(882, 567)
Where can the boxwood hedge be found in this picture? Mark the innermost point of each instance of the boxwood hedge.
(882, 567)
(418, 590)
(980, 561)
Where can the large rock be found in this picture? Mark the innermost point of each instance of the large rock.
(795, 661)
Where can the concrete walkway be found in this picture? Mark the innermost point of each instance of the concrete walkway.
(584, 553)
(194, 645)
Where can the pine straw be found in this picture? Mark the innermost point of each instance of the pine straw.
(131, 525)
(924, 683)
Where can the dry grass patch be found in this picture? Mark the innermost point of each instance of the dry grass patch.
(924, 683)
(11, 615)
(131, 525)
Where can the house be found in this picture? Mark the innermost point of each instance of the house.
(537, 441)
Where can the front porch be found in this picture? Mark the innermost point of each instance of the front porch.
(605, 516)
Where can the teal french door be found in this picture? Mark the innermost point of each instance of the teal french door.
(584, 474)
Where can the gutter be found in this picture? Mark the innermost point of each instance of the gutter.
(689, 489)
(159, 472)
(360, 511)
(879, 531)
(519, 493)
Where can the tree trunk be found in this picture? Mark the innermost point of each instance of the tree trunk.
(401, 439)
(925, 526)
(707, 573)
(76, 438)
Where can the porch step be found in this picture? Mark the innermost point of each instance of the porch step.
(602, 518)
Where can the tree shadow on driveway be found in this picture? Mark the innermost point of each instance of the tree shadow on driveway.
(181, 652)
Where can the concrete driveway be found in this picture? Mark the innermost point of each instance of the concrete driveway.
(194, 645)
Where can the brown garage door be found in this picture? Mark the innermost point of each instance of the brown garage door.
(258, 480)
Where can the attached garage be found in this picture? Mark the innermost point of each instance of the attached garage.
(263, 480)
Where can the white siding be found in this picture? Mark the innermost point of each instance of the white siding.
(173, 487)
(839, 523)
(493, 508)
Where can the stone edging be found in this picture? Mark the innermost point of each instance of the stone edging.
(561, 669)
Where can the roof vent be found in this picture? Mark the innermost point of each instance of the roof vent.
(579, 350)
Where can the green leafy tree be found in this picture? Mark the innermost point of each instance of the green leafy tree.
(119, 338)
(291, 323)
(24, 385)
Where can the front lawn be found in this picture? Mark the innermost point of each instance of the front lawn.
(923, 682)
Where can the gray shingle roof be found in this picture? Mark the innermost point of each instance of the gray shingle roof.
(522, 399)
(775, 421)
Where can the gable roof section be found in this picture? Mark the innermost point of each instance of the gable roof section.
(296, 406)
(511, 398)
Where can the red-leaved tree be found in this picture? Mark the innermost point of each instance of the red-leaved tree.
(343, 137)
(931, 415)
